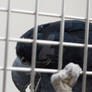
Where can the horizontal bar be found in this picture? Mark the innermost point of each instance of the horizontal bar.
(43, 14)
(29, 69)
(44, 42)
(40, 70)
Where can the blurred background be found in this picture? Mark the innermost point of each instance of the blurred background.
(20, 23)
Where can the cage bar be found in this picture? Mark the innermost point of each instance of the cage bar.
(39, 70)
(19, 11)
(6, 48)
(86, 48)
(61, 38)
(34, 47)
(45, 42)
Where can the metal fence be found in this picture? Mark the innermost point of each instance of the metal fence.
(7, 39)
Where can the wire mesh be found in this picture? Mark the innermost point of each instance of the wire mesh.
(35, 41)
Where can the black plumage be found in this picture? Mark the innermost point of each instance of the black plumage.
(47, 55)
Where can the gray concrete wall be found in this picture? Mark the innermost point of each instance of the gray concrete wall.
(20, 23)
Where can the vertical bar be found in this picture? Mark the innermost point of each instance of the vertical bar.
(34, 47)
(6, 48)
(86, 48)
(61, 38)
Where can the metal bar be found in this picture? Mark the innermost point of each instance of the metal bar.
(86, 48)
(44, 14)
(39, 70)
(6, 48)
(45, 42)
(34, 47)
(61, 38)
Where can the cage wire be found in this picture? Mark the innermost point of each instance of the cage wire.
(61, 43)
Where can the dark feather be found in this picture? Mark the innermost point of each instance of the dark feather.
(47, 55)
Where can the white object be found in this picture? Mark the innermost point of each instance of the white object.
(64, 80)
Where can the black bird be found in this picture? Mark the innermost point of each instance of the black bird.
(20, 79)
(47, 55)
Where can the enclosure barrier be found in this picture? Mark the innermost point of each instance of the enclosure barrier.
(33, 69)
